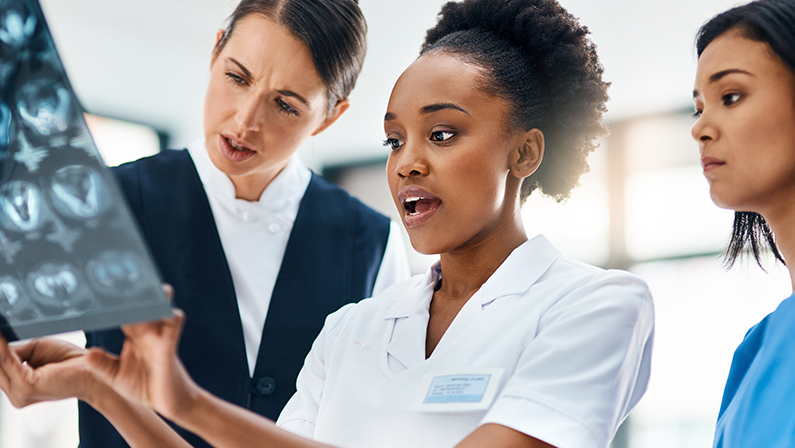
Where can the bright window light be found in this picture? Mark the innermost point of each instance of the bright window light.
(121, 141)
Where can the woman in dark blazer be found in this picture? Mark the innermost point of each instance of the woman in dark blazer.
(259, 249)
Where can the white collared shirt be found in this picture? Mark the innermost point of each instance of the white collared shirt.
(572, 343)
(254, 236)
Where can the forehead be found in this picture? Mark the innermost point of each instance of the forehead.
(268, 49)
(733, 51)
(441, 78)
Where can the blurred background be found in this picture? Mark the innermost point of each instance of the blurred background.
(140, 68)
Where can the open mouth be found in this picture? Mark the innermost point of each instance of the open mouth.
(234, 150)
(419, 205)
(236, 146)
(416, 205)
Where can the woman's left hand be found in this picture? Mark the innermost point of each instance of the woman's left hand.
(43, 370)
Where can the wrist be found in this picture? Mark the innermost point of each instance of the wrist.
(97, 393)
(190, 409)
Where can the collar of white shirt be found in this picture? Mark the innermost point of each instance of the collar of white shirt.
(523, 267)
(526, 264)
(282, 197)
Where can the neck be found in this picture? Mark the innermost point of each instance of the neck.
(251, 186)
(780, 222)
(465, 269)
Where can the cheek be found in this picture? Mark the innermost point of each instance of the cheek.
(392, 178)
(483, 181)
(285, 133)
(216, 105)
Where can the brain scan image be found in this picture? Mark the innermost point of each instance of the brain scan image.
(14, 303)
(22, 207)
(71, 257)
(17, 25)
(5, 128)
(114, 272)
(78, 191)
(57, 288)
(44, 105)
(6, 69)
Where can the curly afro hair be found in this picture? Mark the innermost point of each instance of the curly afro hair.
(537, 57)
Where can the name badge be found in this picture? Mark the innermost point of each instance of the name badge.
(471, 389)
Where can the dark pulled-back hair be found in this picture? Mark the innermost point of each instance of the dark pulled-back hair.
(334, 31)
(771, 22)
(537, 57)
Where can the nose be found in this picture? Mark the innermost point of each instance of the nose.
(703, 130)
(249, 113)
(410, 161)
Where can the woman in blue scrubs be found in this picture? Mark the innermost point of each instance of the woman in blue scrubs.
(745, 103)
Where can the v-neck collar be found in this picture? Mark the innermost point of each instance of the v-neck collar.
(410, 314)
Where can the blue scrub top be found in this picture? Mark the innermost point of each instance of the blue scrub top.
(758, 408)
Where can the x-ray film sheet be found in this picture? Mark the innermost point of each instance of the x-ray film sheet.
(71, 257)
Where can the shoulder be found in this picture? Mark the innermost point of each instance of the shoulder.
(163, 178)
(776, 332)
(164, 161)
(584, 279)
(168, 169)
(784, 314)
(574, 291)
(757, 406)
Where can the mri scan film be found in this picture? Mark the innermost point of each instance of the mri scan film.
(71, 257)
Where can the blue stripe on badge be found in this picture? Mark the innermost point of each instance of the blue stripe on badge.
(455, 399)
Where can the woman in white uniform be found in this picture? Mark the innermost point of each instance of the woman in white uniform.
(504, 342)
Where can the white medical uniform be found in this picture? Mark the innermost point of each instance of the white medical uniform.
(573, 342)
(254, 236)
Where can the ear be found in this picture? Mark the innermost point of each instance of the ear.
(342, 106)
(526, 159)
(218, 36)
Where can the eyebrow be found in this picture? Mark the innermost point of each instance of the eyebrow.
(292, 94)
(429, 109)
(717, 76)
(241, 66)
(437, 107)
(289, 93)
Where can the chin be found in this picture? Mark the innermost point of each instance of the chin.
(426, 245)
(729, 204)
(720, 199)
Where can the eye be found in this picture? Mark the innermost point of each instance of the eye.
(393, 143)
(440, 136)
(730, 98)
(286, 108)
(697, 113)
(235, 78)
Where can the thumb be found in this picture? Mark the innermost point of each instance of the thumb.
(103, 363)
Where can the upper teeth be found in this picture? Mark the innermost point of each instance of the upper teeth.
(236, 146)
(414, 199)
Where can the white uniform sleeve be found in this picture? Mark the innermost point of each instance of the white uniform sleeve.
(300, 414)
(588, 365)
(395, 264)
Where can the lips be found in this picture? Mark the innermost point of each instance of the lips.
(235, 149)
(418, 205)
(710, 163)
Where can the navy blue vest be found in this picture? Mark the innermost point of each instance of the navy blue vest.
(332, 258)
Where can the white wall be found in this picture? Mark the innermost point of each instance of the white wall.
(146, 60)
